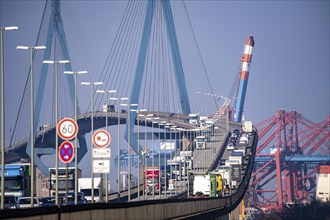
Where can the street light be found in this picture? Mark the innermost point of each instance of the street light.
(3, 112)
(56, 118)
(118, 144)
(153, 156)
(76, 138)
(129, 146)
(161, 123)
(138, 111)
(106, 127)
(32, 49)
(92, 84)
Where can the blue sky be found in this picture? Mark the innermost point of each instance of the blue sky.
(290, 65)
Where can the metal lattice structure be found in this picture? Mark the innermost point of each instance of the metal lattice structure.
(290, 150)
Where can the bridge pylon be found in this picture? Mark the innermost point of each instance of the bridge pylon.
(55, 28)
(141, 64)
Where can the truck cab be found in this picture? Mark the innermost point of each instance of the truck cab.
(200, 142)
(152, 185)
(85, 186)
(194, 119)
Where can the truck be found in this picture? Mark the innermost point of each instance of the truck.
(247, 126)
(201, 185)
(200, 142)
(111, 108)
(237, 158)
(244, 139)
(65, 183)
(151, 180)
(17, 179)
(225, 173)
(194, 119)
(216, 184)
(207, 184)
(187, 158)
(85, 186)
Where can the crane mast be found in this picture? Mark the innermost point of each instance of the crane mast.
(244, 76)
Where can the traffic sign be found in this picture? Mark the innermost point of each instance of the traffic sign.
(101, 138)
(66, 152)
(101, 166)
(101, 153)
(67, 128)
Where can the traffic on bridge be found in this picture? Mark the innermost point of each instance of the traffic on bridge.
(145, 136)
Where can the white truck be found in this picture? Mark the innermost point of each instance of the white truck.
(244, 139)
(201, 185)
(194, 119)
(237, 158)
(247, 126)
(200, 142)
(85, 186)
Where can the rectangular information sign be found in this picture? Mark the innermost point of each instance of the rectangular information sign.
(101, 153)
(101, 166)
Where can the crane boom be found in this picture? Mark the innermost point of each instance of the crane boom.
(244, 76)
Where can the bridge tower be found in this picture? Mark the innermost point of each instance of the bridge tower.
(141, 64)
(55, 28)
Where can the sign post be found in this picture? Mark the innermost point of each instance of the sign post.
(101, 154)
(67, 129)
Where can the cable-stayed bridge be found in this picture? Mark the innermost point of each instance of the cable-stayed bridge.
(155, 62)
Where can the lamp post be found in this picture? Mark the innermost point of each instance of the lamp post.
(138, 111)
(145, 159)
(3, 112)
(165, 158)
(76, 138)
(31, 49)
(153, 156)
(129, 147)
(118, 145)
(92, 84)
(56, 118)
(161, 123)
(174, 127)
(106, 127)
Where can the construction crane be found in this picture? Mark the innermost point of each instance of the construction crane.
(243, 79)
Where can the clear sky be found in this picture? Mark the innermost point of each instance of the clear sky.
(290, 65)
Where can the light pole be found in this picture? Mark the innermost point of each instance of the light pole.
(153, 156)
(145, 159)
(3, 112)
(161, 123)
(138, 111)
(76, 138)
(32, 49)
(118, 145)
(92, 84)
(129, 146)
(56, 118)
(174, 127)
(106, 127)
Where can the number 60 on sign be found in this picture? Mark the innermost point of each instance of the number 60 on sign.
(67, 128)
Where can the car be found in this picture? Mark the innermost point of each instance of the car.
(80, 198)
(236, 131)
(25, 202)
(10, 202)
(47, 201)
(230, 146)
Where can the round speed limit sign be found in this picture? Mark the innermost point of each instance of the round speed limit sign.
(67, 128)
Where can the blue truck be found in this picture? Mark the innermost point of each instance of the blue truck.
(17, 179)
